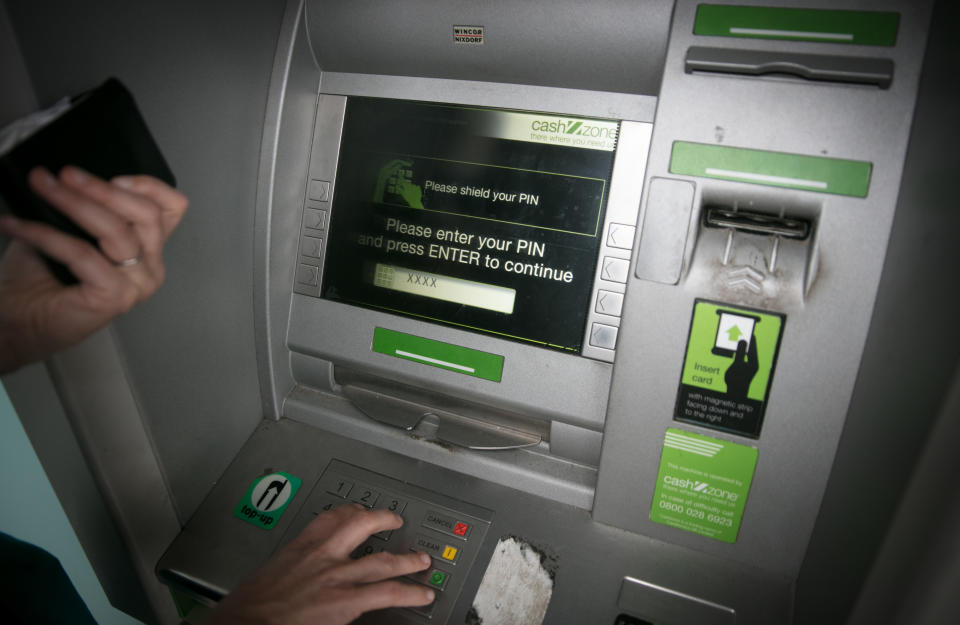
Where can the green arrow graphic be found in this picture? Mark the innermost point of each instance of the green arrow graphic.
(734, 333)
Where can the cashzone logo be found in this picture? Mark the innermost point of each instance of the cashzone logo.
(574, 127)
(591, 134)
(699, 487)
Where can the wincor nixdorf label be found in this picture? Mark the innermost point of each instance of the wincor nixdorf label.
(468, 34)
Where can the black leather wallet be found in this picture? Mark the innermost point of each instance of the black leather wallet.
(101, 132)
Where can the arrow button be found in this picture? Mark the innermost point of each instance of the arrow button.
(615, 269)
(621, 235)
(609, 303)
(603, 336)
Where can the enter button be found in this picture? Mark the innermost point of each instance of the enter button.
(435, 578)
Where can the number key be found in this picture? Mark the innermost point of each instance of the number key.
(365, 496)
(340, 487)
(393, 504)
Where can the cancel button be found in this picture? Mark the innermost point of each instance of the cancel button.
(446, 524)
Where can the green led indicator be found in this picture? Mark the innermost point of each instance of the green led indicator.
(438, 354)
(437, 578)
(869, 28)
(777, 169)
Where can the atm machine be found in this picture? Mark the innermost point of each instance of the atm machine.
(604, 299)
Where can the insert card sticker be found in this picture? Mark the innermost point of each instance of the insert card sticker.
(703, 484)
(728, 368)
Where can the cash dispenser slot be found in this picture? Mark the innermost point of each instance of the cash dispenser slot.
(432, 416)
(816, 67)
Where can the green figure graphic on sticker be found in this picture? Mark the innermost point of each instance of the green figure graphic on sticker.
(394, 185)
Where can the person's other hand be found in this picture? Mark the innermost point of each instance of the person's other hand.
(131, 218)
(313, 580)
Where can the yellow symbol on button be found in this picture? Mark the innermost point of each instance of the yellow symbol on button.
(449, 553)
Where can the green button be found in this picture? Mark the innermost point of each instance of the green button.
(869, 28)
(437, 578)
(437, 354)
(778, 169)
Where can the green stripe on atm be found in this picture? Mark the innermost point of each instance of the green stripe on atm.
(868, 28)
(437, 354)
(777, 169)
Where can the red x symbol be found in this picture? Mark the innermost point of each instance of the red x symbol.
(461, 529)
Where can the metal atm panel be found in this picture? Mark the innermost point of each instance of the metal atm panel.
(723, 136)
(732, 228)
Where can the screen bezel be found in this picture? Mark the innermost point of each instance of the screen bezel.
(547, 385)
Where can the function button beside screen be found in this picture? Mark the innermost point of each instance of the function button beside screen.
(446, 524)
(621, 235)
(308, 275)
(311, 246)
(365, 496)
(609, 303)
(319, 190)
(615, 269)
(603, 336)
(315, 219)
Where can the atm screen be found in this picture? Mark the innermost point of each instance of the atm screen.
(487, 220)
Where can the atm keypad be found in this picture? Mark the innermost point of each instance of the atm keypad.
(433, 523)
